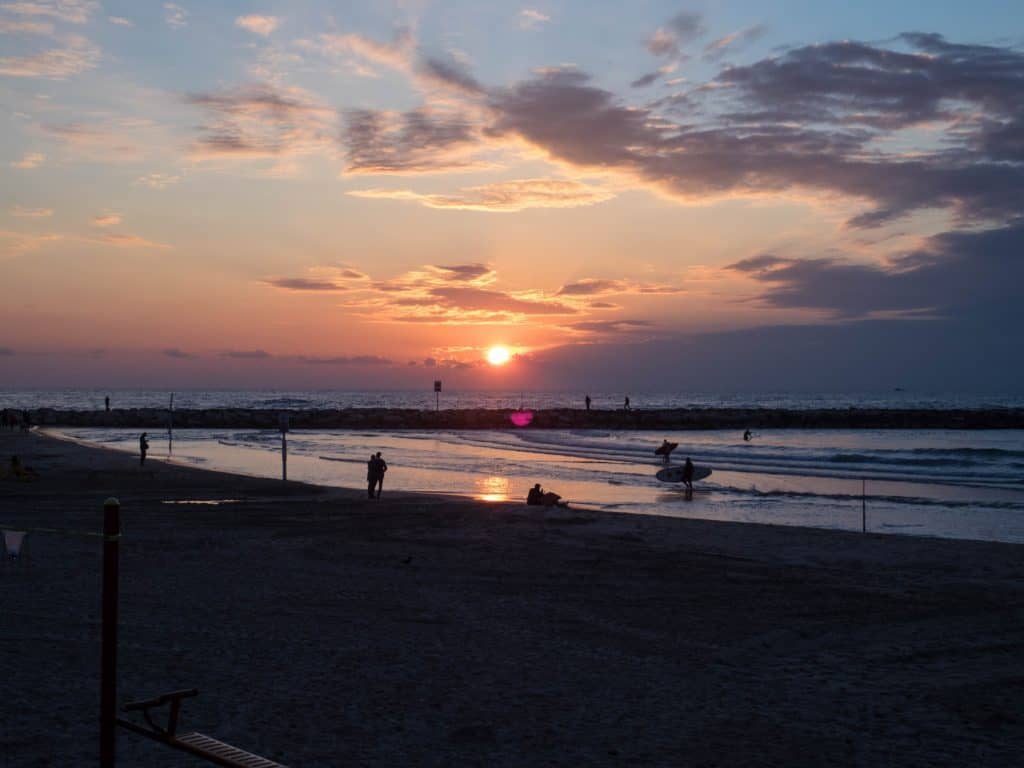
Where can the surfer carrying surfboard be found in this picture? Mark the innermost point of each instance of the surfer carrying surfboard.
(665, 450)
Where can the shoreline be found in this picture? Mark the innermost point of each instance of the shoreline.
(325, 629)
(559, 418)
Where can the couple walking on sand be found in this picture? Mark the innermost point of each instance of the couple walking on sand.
(375, 469)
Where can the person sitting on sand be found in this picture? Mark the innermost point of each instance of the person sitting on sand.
(21, 472)
(538, 497)
(535, 495)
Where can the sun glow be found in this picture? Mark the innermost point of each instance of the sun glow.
(498, 355)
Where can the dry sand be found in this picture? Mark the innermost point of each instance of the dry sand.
(325, 630)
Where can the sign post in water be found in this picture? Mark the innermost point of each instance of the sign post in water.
(437, 395)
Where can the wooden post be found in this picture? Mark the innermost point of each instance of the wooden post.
(863, 506)
(170, 426)
(108, 654)
(282, 424)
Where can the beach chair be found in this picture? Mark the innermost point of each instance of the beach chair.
(13, 541)
(198, 744)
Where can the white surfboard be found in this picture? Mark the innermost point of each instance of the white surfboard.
(675, 474)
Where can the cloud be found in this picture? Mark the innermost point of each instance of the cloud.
(590, 286)
(530, 18)
(14, 27)
(120, 21)
(955, 274)
(607, 327)
(469, 273)
(717, 49)
(422, 140)
(246, 354)
(78, 55)
(398, 54)
(304, 284)
(31, 213)
(261, 120)
(158, 180)
(682, 28)
(29, 160)
(179, 354)
(70, 11)
(505, 197)
(130, 241)
(14, 244)
(349, 360)
(449, 74)
(106, 220)
(175, 16)
(787, 150)
(258, 25)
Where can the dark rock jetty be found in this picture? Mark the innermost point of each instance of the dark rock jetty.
(559, 418)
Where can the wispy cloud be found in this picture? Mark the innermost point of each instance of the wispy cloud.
(17, 243)
(348, 360)
(531, 17)
(262, 120)
(158, 180)
(130, 241)
(175, 16)
(29, 160)
(179, 354)
(503, 197)
(257, 24)
(304, 284)
(120, 21)
(31, 213)
(106, 220)
(246, 354)
(25, 26)
(716, 49)
(668, 39)
(77, 55)
(70, 11)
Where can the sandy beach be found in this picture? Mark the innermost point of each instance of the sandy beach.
(325, 630)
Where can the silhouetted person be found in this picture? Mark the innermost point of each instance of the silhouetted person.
(106, 402)
(26, 421)
(371, 475)
(748, 436)
(382, 467)
(533, 498)
(666, 450)
(143, 447)
(587, 401)
(688, 475)
(625, 405)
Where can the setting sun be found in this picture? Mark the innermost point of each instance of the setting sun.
(498, 355)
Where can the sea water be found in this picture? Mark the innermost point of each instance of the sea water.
(949, 483)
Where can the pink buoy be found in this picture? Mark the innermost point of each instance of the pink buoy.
(521, 418)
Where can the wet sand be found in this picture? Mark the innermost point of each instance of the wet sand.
(323, 629)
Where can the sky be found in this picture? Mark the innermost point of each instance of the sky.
(739, 196)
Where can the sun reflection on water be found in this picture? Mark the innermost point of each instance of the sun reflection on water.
(492, 488)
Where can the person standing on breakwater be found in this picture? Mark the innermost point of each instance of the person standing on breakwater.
(587, 401)
(143, 447)
(625, 405)
(106, 402)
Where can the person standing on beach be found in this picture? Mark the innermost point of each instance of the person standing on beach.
(143, 447)
(382, 467)
(688, 475)
(106, 402)
(625, 405)
(371, 475)
(587, 401)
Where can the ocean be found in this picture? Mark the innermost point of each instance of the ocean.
(966, 484)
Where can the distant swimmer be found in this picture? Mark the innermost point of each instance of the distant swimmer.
(748, 436)
(665, 450)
